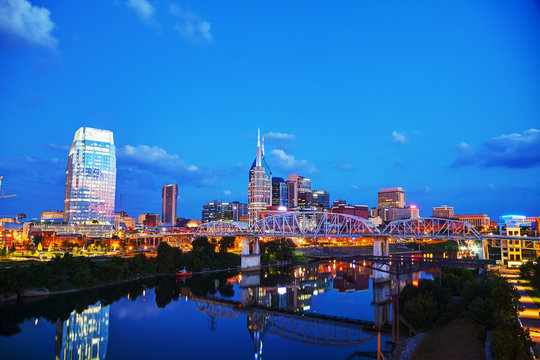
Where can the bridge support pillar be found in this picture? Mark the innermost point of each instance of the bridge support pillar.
(251, 259)
(381, 302)
(381, 247)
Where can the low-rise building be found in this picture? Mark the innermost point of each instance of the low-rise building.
(475, 219)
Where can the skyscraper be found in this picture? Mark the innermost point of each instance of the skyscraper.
(169, 195)
(279, 192)
(91, 177)
(260, 184)
(391, 197)
(322, 198)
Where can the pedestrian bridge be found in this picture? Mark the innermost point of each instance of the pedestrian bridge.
(315, 225)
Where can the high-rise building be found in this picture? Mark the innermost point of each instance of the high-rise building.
(279, 192)
(260, 184)
(210, 211)
(443, 211)
(322, 198)
(392, 197)
(169, 194)
(306, 201)
(218, 211)
(303, 184)
(90, 177)
(292, 193)
(240, 211)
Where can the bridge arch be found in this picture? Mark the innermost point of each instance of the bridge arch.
(222, 228)
(313, 224)
(427, 228)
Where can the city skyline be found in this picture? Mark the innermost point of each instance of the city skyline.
(380, 102)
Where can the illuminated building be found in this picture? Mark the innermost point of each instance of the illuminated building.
(222, 211)
(355, 210)
(150, 220)
(391, 197)
(225, 212)
(122, 220)
(240, 211)
(210, 211)
(96, 231)
(322, 199)
(279, 192)
(292, 193)
(90, 177)
(475, 219)
(443, 211)
(52, 215)
(303, 184)
(306, 201)
(169, 195)
(83, 335)
(259, 185)
(410, 212)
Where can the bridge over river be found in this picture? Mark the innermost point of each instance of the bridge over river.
(314, 225)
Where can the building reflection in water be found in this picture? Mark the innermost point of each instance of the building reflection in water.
(84, 335)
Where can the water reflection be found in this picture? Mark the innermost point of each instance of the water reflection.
(303, 305)
(83, 335)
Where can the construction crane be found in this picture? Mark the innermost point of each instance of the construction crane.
(7, 196)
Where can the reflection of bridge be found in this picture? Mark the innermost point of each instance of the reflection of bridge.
(309, 328)
(314, 225)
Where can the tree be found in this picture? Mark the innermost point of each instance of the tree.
(38, 239)
(167, 257)
(226, 243)
(12, 249)
(3, 250)
(40, 247)
(201, 244)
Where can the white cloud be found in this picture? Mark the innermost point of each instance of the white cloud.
(32, 23)
(399, 138)
(227, 192)
(152, 159)
(143, 8)
(190, 25)
(279, 136)
(288, 163)
(345, 166)
(517, 150)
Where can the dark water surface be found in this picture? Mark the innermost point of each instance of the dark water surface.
(275, 314)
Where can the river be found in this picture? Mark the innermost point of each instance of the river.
(330, 310)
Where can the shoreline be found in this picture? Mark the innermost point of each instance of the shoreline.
(29, 293)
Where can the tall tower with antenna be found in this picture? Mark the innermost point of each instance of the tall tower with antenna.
(259, 184)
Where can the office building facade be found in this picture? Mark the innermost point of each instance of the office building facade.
(391, 197)
(279, 192)
(259, 184)
(90, 177)
(169, 195)
(322, 198)
(443, 211)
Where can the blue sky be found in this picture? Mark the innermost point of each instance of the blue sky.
(441, 98)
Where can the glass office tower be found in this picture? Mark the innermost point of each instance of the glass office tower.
(259, 184)
(90, 177)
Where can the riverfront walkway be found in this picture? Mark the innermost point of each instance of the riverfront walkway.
(529, 318)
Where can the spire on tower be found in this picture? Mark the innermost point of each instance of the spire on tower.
(262, 146)
(258, 161)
